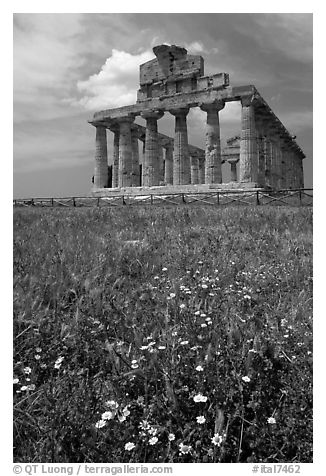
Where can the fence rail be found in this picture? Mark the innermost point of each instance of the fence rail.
(297, 197)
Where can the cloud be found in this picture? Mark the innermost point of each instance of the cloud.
(195, 47)
(287, 33)
(117, 82)
(45, 63)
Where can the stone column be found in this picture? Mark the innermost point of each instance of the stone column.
(260, 150)
(248, 144)
(194, 170)
(274, 163)
(135, 180)
(301, 174)
(101, 159)
(181, 162)
(168, 170)
(115, 165)
(233, 164)
(201, 171)
(267, 147)
(150, 164)
(296, 170)
(125, 152)
(213, 169)
(160, 163)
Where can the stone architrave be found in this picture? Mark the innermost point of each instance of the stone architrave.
(213, 169)
(194, 170)
(115, 165)
(125, 152)
(150, 164)
(168, 169)
(135, 181)
(181, 160)
(101, 158)
(248, 143)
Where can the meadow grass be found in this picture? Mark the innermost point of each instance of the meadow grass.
(163, 334)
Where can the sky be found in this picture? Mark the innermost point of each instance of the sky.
(67, 66)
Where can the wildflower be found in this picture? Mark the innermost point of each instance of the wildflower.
(37, 357)
(246, 296)
(27, 370)
(129, 446)
(202, 314)
(144, 425)
(197, 313)
(201, 419)
(271, 420)
(152, 431)
(164, 269)
(200, 398)
(161, 347)
(100, 424)
(184, 342)
(203, 325)
(38, 349)
(199, 368)
(134, 364)
(23, 388)
(31, 387)
(15, 381)
(126, 412)
(209, 323)
(153, 440)
(217, 439)
(182, 306)
(121, 418)
(107, 416)
(156, 278)
(143, 347)
(246, 378)
(184, 449)
(204, 286)
(58, 362)
(112, 404)
(172, 295)
(171, 437)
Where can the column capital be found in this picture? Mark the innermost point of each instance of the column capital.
(216, 105)
(180, 111)
(126, 119)
(154, 114)
(232, 160)
(247, 100)
(97, 124)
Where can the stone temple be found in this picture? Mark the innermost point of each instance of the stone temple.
(264, 154)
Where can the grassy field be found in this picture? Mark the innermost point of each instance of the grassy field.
(163, 335)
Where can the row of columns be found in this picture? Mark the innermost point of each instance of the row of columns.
(265, 158)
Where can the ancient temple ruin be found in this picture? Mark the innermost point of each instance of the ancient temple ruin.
(264, 155)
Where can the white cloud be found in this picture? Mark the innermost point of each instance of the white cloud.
(117, 82)
(195, 47)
